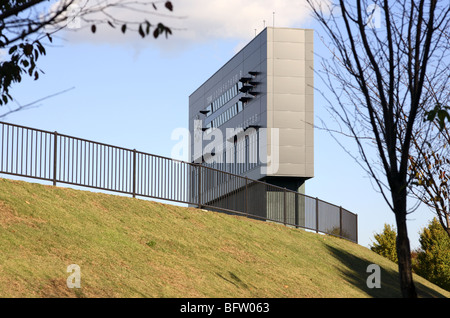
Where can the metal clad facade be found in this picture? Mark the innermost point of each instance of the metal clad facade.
(278, 64)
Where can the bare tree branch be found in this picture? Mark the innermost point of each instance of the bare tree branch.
(377, 75)
(33, 104)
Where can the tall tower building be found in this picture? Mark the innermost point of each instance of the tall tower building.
(254, 116)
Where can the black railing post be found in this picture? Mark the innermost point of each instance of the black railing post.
(55, 156)
(317, 215)
(340, 221)
(199, 167)
(246, 196)
(285, 211)
(134, 173)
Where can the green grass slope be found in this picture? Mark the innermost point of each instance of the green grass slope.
(129, 247)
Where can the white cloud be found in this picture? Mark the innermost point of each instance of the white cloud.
(238, 19)
(196, 21)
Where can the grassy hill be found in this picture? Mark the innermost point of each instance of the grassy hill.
(129, 247)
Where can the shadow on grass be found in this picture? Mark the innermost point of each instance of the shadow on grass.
(354, 270)
(233, 279)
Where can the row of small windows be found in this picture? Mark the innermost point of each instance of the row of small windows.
(225, 116)
(239, 159)
(223, 99)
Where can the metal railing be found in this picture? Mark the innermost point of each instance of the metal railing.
(59, 158)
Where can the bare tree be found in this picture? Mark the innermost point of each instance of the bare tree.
(382, 54)
(25, 24)
(430, 166)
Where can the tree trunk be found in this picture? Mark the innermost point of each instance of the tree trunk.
(403, 248)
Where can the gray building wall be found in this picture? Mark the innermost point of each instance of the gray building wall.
(290, 98)
(278, 118)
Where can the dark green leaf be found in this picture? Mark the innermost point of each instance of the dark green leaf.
(141, 31)
(31, 69)
(431, 115)
(442, 116)
(169, 5)
(12, 49)
(41, 48)
(28, 49)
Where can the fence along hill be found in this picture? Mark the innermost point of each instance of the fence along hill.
(59, 158)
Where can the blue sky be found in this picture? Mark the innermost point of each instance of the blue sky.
(133, 92)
